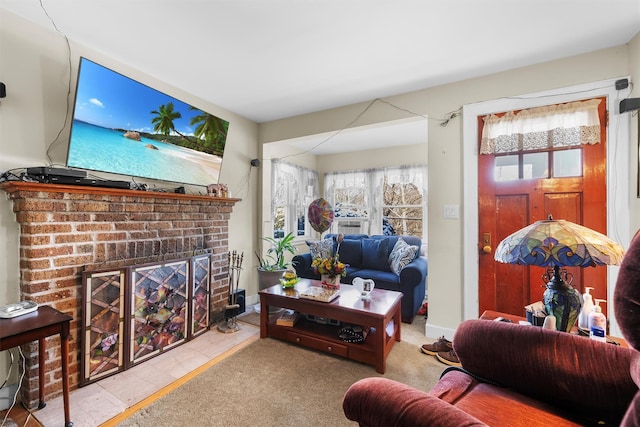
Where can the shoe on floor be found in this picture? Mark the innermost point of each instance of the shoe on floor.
(442, 344)
(449, 358)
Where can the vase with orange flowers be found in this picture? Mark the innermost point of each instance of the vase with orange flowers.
(330, 270)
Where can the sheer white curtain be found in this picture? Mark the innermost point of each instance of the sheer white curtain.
(293, 187)
(364, 193)
(348, 192)
(376, 179)
(568, 124)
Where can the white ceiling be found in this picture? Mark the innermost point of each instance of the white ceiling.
(271, 59)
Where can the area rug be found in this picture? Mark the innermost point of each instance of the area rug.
(250, 316)
(274, 383)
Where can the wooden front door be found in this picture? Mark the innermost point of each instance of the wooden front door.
(506, 206)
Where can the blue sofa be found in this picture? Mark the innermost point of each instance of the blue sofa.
(367, 257)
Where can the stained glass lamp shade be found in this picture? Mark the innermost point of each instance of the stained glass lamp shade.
(554, 244)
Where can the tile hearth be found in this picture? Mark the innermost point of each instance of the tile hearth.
(99, 402)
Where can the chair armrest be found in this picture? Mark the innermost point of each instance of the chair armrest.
(381, 402)
(415, 272)
(556, 367)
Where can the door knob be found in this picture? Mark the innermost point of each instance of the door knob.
(486, 243)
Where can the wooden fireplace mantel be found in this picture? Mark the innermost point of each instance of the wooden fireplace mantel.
(15, 186)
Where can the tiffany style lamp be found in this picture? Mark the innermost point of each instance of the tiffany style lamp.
(555, 244)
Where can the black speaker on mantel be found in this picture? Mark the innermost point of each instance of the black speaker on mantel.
(629, 104)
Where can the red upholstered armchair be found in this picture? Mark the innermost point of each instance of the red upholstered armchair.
(515, 375)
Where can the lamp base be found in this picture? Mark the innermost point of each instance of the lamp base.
(564, 303)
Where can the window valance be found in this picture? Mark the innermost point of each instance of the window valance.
(293, 186)
(539, 128)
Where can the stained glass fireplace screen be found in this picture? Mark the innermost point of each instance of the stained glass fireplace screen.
(103, 343)
(158, 307)
(200, 294)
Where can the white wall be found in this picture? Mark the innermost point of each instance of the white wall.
(445, 236)
(34, 66)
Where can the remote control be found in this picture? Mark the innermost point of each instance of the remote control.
(13, 310)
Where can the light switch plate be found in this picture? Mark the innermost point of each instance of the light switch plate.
(451, 212)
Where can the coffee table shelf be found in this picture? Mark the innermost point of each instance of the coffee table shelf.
(380, 315)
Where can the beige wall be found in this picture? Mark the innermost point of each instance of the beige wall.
(445, 236)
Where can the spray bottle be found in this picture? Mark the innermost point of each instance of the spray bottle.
(597, 322)
(587, 306)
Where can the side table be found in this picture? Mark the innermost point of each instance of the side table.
(40, 324)
(492, 315)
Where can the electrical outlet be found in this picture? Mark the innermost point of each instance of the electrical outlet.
(451, 212)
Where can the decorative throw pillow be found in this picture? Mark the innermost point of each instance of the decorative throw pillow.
(320, 248)
(401, 255)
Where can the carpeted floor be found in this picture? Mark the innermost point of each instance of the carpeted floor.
(274, 383)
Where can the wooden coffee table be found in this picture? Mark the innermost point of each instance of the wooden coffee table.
(380, 314)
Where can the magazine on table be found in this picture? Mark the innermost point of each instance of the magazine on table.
(320, 293)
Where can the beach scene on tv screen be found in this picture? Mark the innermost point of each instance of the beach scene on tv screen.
(124, 127)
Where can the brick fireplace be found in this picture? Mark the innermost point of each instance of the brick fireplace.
(65, 230)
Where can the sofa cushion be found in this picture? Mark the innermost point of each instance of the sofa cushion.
(320, 248)
(401, 255)
(383, 279)
(351, 252)
(515, 409)
(375, 254)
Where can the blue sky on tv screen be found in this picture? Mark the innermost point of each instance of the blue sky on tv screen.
(111, 100)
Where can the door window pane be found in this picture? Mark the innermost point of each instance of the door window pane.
(567, 163)
(535, 165)
(506, 168)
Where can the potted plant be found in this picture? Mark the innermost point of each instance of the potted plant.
(273, 264)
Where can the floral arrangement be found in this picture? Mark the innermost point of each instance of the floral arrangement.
(331, 266)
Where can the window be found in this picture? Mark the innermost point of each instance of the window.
(552, 163)
(350, 201)
(542, 142)
(294, 188)
(379, 201)
(403, 203)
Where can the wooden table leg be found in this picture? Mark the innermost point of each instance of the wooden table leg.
(64, 346)
(264, 317)
(380, 346)
(41, 356)
(397, 318)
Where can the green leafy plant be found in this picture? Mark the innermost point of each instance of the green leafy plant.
(274, 259)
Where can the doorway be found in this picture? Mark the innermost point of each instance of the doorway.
(518, 188)
(618, 178)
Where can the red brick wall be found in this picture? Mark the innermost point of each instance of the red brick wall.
(65, 230)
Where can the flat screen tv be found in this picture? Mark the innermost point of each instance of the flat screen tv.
(124, 127)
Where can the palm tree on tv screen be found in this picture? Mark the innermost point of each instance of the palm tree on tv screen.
(163, 121)
(210, 131)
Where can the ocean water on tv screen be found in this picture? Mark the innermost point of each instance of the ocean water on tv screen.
(97, 148)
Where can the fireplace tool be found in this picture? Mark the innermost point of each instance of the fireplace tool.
(230, 324)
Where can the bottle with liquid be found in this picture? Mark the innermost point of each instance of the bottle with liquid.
(587, 306)
(597, 323)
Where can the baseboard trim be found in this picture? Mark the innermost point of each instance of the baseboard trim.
(435, 331)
